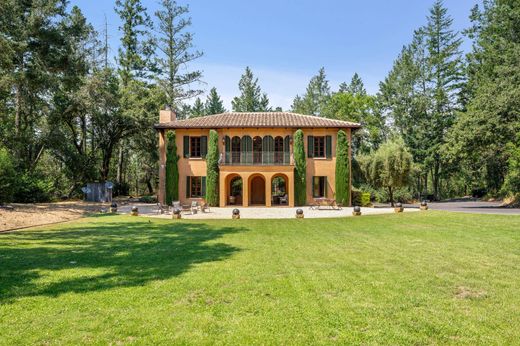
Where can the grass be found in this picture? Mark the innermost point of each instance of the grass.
(416, 278)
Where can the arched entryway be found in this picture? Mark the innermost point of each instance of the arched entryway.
(257, 190)
(279, 190)
(234, 190)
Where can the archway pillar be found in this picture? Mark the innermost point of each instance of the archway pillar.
(245, 189)
(223, 190)
(268, 189)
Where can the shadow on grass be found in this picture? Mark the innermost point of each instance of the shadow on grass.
(109, 254)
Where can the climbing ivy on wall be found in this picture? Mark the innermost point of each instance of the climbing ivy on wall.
(172, 169)
(342, 169)
(300, 168)
(212, 169)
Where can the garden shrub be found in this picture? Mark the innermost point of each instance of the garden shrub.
(31, 188)
(300, 168)
(342, 169)
(212, 168)
(172, 170)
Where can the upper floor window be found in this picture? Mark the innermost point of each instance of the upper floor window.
(194, 146)
(319, 146)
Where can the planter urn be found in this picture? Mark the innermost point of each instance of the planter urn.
(356, 211)
(236, 214)
(113, 208)
(424, 205)
(135, 211)
(398, 208)
(176, 214)
(299, 213)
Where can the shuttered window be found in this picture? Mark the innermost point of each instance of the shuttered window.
(310, 146)
(195, 146)
(328, 147)
(319, 186)
(195, 187)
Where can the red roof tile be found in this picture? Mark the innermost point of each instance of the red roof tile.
(257, 119)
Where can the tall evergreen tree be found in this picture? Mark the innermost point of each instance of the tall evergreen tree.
(356, 86)
(136, 49)
(176, 45)
(484, 133)
(214, 104)
(316, 96)
(251, 98)
(197, 110)
(420, 93)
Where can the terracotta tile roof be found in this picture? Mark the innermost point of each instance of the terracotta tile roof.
(256, 119)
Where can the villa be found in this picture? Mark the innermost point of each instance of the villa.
(256, 156)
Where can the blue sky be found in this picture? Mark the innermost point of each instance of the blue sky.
(285, 42)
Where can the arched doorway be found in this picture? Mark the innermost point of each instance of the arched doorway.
(234, 190)
(279, 190)
(257, 190)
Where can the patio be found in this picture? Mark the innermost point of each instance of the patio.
(151, 210)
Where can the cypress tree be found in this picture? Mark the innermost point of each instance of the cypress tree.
(212, 169)
(342, 169)
(300, 168)
(172, 170)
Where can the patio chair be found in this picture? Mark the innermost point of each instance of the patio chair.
(162, 208)
(194, 207)
(204, 207)
(186, 208)
(176, 205)
(284, 199)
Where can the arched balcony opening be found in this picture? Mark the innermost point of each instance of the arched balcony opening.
(235, 149)
(279, 190)
(257, 149)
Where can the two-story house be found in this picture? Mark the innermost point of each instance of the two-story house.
(256, 156)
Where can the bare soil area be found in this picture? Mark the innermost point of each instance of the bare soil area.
(27, 215)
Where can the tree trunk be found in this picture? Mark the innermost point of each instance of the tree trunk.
(149, 186)
(436, 180)
(391, 196)
(119, 177)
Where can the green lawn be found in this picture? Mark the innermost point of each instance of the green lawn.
(415, 278)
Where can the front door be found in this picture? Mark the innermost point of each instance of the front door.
(258, 191)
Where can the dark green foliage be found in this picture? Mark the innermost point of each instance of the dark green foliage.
(214, 104)
(212, 175)
(300, 169)
(172, 169)
(342, 169)
(176, 44)
(33, 188)
(7, 176)
(316, 96)
(251, 98)
(197, 110)
(512, 180)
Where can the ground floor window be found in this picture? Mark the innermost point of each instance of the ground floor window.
(195, 187)
(319, 187)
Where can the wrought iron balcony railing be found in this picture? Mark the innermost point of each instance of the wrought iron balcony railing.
(264, 158)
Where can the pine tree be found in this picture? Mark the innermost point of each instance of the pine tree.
(316, 96)
(251, 98)
(420, 93)
(176, 46)
(198, 109)
(214, 104)
(136, 49)
(484, 133)
(356, 86)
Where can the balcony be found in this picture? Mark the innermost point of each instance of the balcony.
(262, 158)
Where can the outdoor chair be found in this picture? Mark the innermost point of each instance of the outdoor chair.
(194, 207)
(186, 208)
(284, 199)
(161, 208)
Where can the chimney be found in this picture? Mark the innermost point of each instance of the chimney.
(166, 115)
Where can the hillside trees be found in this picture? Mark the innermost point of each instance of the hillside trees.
(251, 98)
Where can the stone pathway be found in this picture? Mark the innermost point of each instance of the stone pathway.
(259, 212)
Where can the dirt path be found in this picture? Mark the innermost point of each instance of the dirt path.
(27, 215)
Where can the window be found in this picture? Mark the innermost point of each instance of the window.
(195, 147)
(319, 187)
(195, 186)
(319, 146)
